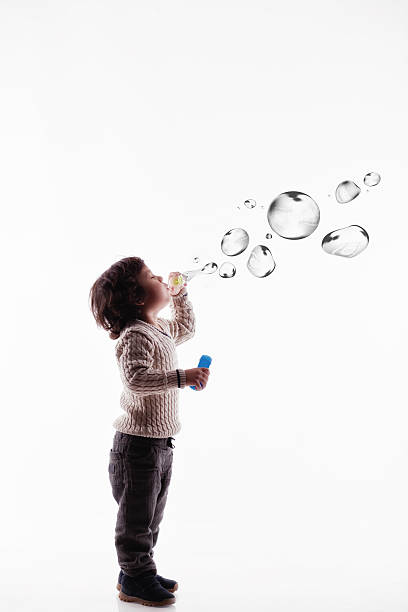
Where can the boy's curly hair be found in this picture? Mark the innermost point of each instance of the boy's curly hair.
(114, 293)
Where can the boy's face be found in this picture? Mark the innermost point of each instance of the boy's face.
(157, 292)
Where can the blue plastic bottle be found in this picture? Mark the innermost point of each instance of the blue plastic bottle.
(205, 361)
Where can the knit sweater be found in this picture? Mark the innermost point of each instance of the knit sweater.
(148, 369)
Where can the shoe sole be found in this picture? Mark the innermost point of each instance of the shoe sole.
(145, 602)
(119, 587)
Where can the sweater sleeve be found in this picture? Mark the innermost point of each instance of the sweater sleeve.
(182, 324)
(136, 367)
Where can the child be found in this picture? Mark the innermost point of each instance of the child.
(125, 301)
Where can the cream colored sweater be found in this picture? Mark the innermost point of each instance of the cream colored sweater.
(151, 380)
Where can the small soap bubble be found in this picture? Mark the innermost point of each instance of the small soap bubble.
(235, 241)
(250, 203)
(346, 242)
(347, 191)
(260, 262)
(372, 178)
(196, 259)
(293, 215)
(227, 270)
(268, 236)
(209, 268)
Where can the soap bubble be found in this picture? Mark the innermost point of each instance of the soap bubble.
(235, 241)
(250, 203)
(268, 236)
(347, 191)
(372, 178)
(209, 268)
(260, 262)
(196, 259)
(293, 215)
(346, 242)
(227, 270)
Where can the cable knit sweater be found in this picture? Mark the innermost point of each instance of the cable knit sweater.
(147, 362)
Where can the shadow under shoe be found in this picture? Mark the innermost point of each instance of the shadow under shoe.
(145, 590)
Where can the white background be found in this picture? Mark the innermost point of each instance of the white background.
(136, 129)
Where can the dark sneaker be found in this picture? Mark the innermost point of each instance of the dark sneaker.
(145, 590)
(169, 585)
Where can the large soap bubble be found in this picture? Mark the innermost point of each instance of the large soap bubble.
(371, 179)
(260, 262)
(235, 241)
(346, 242)
(347, 191)
(293, 215)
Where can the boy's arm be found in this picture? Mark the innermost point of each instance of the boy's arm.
(136, 369)
(182, 324)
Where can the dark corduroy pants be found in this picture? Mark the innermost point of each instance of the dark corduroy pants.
(139, 473)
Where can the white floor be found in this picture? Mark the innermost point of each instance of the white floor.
(206, 584)
(308, 542)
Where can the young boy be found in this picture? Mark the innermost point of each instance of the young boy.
(141, 457)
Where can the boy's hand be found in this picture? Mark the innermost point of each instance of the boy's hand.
(178, 289)
(197, 377)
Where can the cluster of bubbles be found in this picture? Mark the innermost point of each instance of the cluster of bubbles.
(348, 190)
(292, 215)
